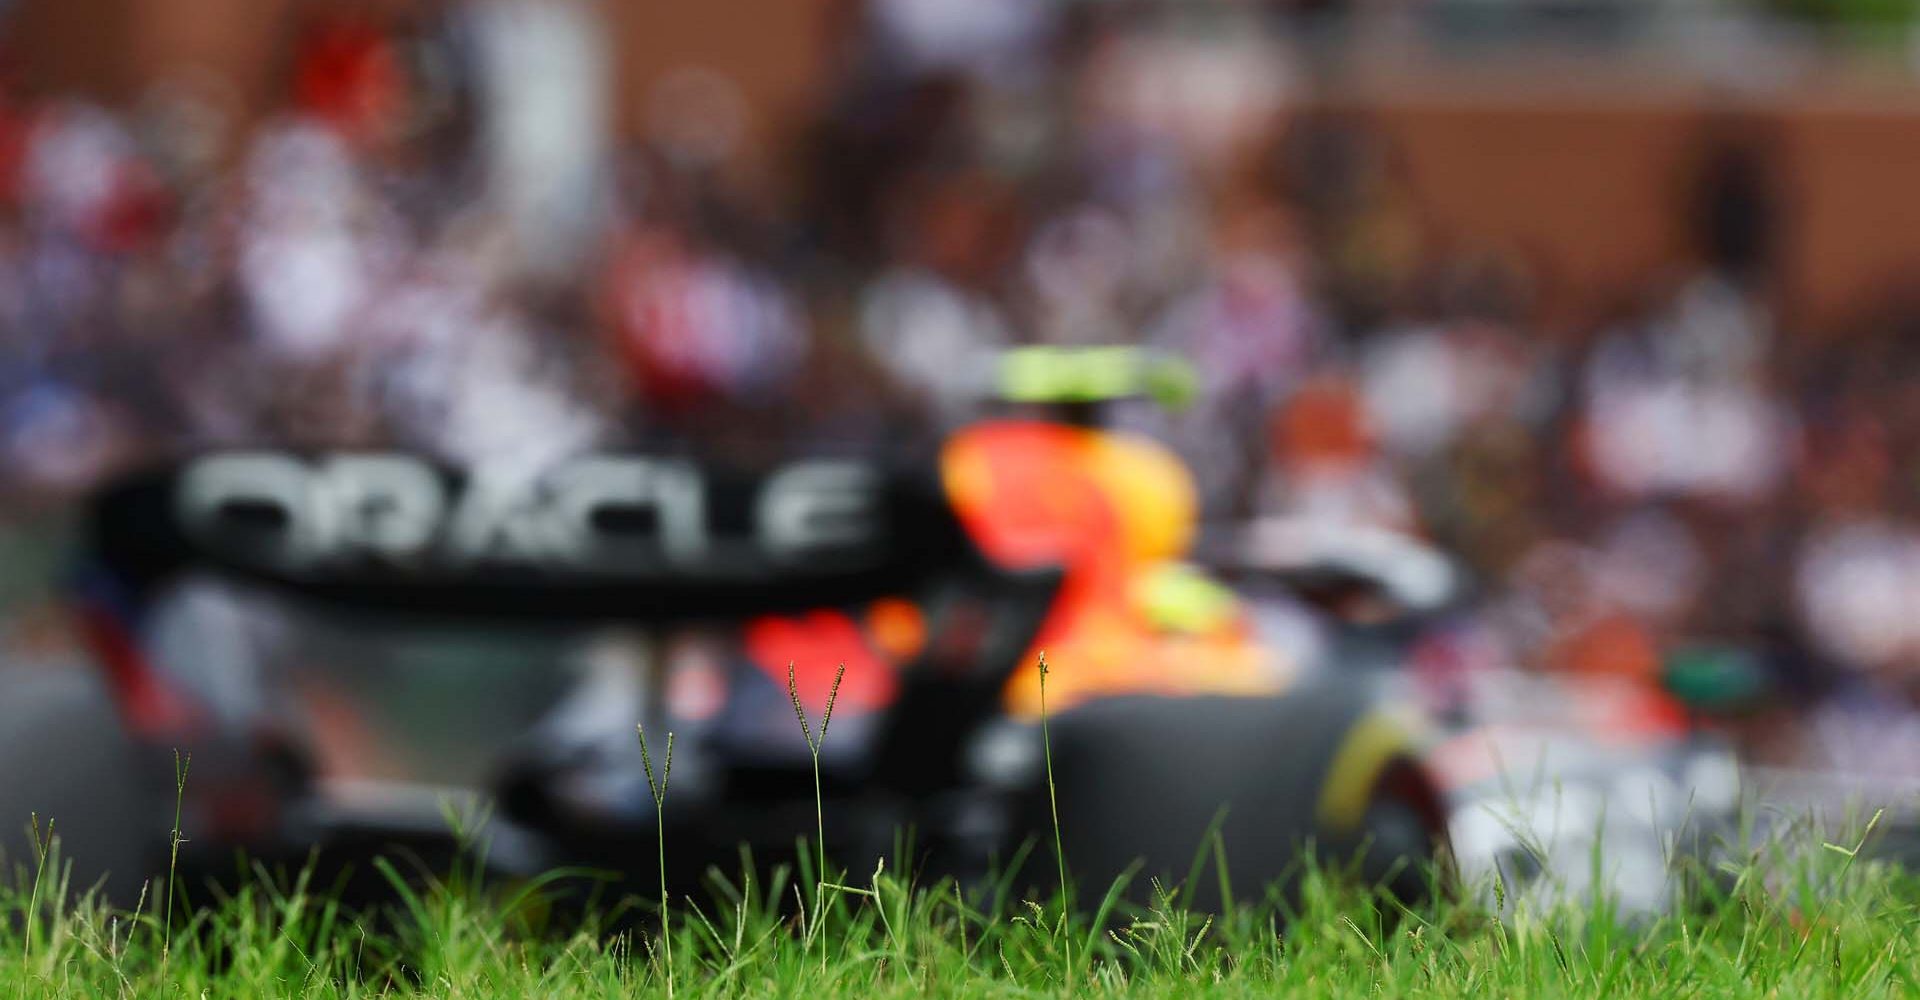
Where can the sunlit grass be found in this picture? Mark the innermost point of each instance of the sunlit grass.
(1788, 922)
(1804, 916)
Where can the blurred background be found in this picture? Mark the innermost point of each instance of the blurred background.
(1613, 300)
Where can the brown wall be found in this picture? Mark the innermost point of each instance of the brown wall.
(1856, 173)
(112, 49)
(1588, 178)
(777, 52)
(1595, 190)
(72, 46)
(1587, 193)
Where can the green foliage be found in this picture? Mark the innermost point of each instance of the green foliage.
(1871, 16)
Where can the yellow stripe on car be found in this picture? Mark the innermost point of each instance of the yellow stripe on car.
(1357, 765)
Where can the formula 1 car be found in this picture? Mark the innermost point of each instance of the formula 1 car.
(358, 649)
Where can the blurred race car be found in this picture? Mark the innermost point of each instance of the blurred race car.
(1559, 787)
(363, 652)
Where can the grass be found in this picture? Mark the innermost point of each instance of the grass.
(814, 742)
(1787, 919)
(1053, 808)
(1821, 922)
(658, 789)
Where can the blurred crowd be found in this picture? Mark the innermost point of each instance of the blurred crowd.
(349, 272)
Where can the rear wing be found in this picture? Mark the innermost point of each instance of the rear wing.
(604, 536)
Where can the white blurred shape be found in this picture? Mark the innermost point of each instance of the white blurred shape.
(544, 88)
(1858, 587)
(303, 267)
(977, 35)
(933, 336)
(1412, 391)
(1649, 564)
(1668, 436)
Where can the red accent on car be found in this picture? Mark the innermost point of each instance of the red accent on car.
(148, 705)
(816, 643)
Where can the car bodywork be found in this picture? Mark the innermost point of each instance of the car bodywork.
(356, 648)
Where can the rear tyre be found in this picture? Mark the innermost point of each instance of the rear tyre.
(65, 759)
(1147, 779)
